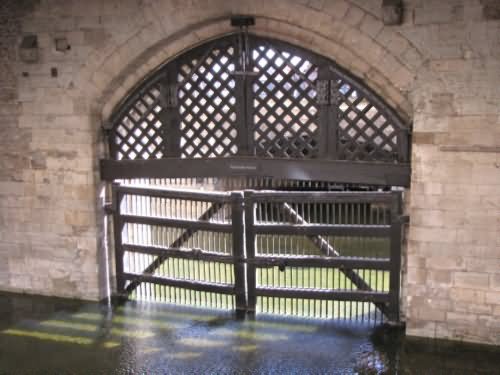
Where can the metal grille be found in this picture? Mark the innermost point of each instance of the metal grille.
(137, 133)
(207, 105)
(324, 254)
(285, 110)
(310, 278)
(291, 104)
(365, 132)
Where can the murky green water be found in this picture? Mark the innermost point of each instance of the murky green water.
(51, 336)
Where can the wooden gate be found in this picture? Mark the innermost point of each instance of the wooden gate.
(314, 254)
(249, 107)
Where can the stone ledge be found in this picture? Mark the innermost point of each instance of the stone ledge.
(473, 148)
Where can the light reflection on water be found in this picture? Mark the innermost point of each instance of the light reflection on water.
(41, 335)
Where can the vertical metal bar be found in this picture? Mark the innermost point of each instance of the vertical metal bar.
(117, 229)
(250, 249)
(394, 277)
(238, 249)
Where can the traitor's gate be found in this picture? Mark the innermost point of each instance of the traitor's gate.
(251, 174)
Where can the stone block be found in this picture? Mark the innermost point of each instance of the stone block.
(337, 9)
(438, 13)
(493, 298)
(78, 218)
(437, 235)
(316, 4)
(461, 318)
(371, 26)
(354, 16)
(429, 313)
(439, 278)
(421, 328)
(467, 295)
(471, 280)
(445, 262)
(471, 308)
(483, 264)
(477, 237)
(496, 311)
(416, 275)
(495, 281)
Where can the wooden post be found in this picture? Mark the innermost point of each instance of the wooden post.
(395, 273)
(250, 251)
(117, 231)
(238, 249)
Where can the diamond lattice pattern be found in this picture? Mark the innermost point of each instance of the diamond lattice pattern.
(137, 134)
(207, 105)
(285, 110)
(364, 132)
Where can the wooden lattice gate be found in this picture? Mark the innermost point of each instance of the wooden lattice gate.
(319, 254)
(257, 109)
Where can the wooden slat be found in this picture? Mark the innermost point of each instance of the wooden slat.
(169, 252)
(187, 284)
(309, 197)
(177, 223)
(323, 262)
(324, 230)
(335, 295)
(188, 195)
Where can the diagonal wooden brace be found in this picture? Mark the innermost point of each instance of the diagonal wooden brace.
(185, 236)
(329, 250)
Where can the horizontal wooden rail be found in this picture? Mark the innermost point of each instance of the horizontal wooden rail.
(177, 223)
(332, 197)
(339, 171)
(187, 284)
(324, 230)
(382, 264)
(188, 195)
(195, 254)
(336, 295)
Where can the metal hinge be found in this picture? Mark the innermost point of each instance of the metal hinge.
(108, 209)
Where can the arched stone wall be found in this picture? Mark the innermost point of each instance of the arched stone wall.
(344, 32)
(439, 69)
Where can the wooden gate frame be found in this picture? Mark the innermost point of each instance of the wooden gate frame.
(244, 258)
(149, 122)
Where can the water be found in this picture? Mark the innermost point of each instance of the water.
(53, 336)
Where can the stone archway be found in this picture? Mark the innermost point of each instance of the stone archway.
(258, 108)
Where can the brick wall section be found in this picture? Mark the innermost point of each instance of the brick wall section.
(454, 237)
(440, 69)
(48, 230)
(12, 137)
